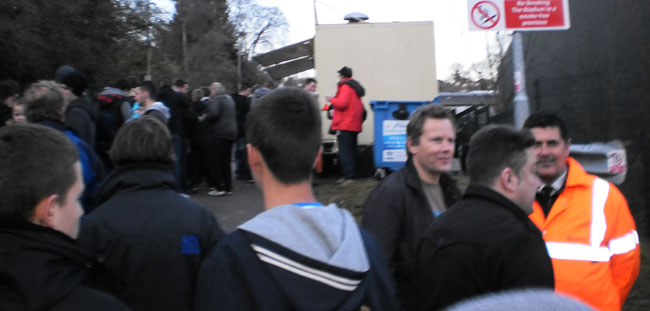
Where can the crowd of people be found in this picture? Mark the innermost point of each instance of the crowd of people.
(204, 123)
(532, 231)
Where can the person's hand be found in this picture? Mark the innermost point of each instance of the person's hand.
(327, 98)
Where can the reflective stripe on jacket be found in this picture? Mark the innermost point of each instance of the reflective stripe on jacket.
(592, 240)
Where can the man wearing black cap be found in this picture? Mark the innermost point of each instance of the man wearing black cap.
(347, 120)
(81, 112)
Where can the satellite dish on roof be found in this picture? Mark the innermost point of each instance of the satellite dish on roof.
(356, 17)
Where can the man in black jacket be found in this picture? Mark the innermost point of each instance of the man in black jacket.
(144, 230)
(81, 111)
(41, 266)
(485, 242)
(174, 99)
(400, 209)
(242, 105)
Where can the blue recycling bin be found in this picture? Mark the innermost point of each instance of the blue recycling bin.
(391, 118)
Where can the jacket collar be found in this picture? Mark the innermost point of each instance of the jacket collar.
(36, 229)
(577, 176)
(55, 124)
(344, 80)
(135, 177)
(485, 193)
(411, 174)
(447, 184)
(57, 264)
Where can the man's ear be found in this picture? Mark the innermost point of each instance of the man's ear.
(410, 146)
(45, 211)
(508, 180)
(254, 157)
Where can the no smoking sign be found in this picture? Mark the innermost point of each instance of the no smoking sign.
(519, 15)
(485, 15)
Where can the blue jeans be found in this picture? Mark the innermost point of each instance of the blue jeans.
(348, 153)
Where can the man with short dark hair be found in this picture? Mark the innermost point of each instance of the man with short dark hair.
(181, 87)
(45, 105)
(41, 266)
(144, 230)
(400, 209)
(347, 121)
(173, 96)
(485, 242)
(588, 228)
(309, 85)
(144, 95)
(298, 254)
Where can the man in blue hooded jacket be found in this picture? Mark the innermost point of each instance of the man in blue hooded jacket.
(298, 254)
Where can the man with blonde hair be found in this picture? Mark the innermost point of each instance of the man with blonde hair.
(45, 104)
(400, 209)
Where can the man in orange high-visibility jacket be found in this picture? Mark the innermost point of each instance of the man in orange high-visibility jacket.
(588, 228)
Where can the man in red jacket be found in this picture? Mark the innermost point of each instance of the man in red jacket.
(347, 119)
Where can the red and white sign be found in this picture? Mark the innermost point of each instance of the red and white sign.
(520, 15)
(485, 15)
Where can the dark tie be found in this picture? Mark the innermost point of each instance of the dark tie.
(544, 199)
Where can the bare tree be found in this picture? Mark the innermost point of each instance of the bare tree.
(257, 26)
(459, 79)
(481, 75)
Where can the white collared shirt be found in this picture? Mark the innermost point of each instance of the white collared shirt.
(557, 184)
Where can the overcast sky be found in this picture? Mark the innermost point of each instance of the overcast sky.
(454, 42)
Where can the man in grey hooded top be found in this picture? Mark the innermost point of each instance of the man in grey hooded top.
(222, 122)
(298, 254)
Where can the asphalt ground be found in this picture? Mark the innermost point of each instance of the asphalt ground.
(244, 203)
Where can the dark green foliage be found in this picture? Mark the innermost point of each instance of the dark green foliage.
(211, 52)
(107, 40)
(39, 36)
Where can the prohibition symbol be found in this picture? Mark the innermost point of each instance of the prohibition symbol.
(485, 15)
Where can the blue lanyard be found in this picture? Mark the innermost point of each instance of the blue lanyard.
(308, 204)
